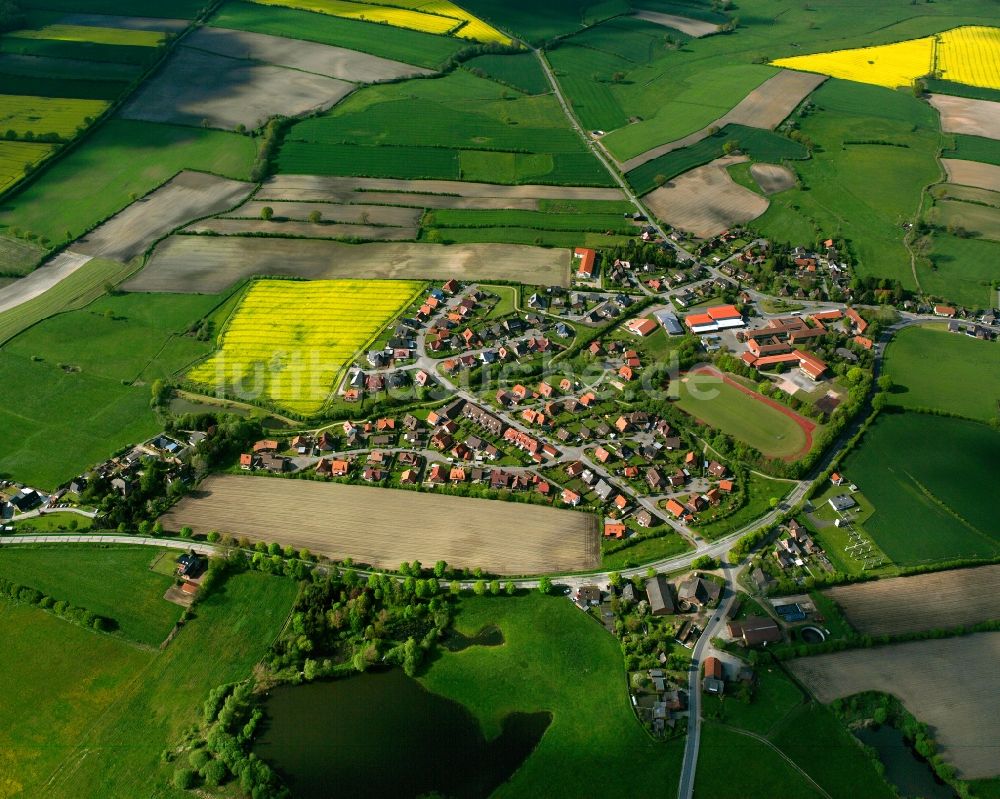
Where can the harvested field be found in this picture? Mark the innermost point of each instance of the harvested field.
(189, 195)
(41, 280)
(972, 173)
(196, 87)
(207, 264)
(706, 201)
(772, 178)
(502, 537)
(320, 59)
(942, 682)
(972, 117)
(692, 27)
(129, 23)
(956, 598)
(765, 107)
(323, 187)
(309, 230)
(332, 212)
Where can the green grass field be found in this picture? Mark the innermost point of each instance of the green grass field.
(761, 489)
(513, 235)
(521, 72)
(645, 551)
(65, 677)
(115, 582)
(964, 270)
(937, 86)
(185, 9)
(974, 148)
(750, 420)
(537, 22)
(861, 192)
(412, 47)
(83, 286)
(982, 221)
(556, 659)
(775, 696)
(932, 487)
(959, 362)
(121, 159)
(736, 766)
(13, 83)
(759, 145)
(115, 753)
(539, 220)
(64, 393)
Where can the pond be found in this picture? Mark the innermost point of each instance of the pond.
(911, 775)
(383, 734)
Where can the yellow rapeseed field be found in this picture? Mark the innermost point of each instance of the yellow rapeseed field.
(969, 55)
(16, 156)
(290, 341)
(474, 28)
(397, 17)
(40, 115)
(94, 34)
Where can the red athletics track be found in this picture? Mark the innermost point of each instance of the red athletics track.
(806, 425)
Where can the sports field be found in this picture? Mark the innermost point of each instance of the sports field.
(960, 362)
(932, 487)
(383, 527)
(720, 402)
(271, 350)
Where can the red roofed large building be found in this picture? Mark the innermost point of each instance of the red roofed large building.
(640, 327)
(859, 324)
(586, 266)
(718, 317)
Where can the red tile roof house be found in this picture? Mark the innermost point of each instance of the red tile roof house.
(675, 508)
(570, 497)
(614, 530)
(940, 310)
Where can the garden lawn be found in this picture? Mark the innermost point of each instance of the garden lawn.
(774, 698)
(932, 481)
(118, 752)
(116, 583)
(736, 766)
(60, 677)
(937, 370)
(747, 418)
(761, 489)
(122, 158)
(556, 659)
(646, 551)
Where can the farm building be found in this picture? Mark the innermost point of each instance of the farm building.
(718, 317)
(640, 327)
(699, 591)
(661, 598)
(755, 630)
(713, 683)
(586, 257)
(842, 502)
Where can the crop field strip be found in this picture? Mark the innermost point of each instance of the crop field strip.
(941, 682)
(942, 600)
(17, 158)
(692, 27)
(359, 214)
(296, 360)
(91, 34)
(970, 117)
(427, 16)
(706, 201)
(501, 537)
(43, 115)
(210, 264)
(974, 148)
(969, 54)
(308, 230)
(972, 173)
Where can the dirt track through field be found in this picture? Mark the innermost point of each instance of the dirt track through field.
(210, 264)
(692, 27)
(331, 212)
(950, 684)
(322, 187)
(772, 178)
(187, 196)
(956, 598)
(765, 107)
(972, 117)
(320, 59)
(972, 173)
(197, 88)
(706, 201)
(383, 527)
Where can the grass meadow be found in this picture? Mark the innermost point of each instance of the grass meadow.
(412, 47)
(861, 191)
(121, 160)
(116, 753)
(932, 487)
(965, 378)
(555, 659)
(747, 418)
(963, 271)
(974, 148)
(536, 22)
(521, 72)
(113, 582)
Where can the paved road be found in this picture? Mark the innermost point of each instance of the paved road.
(132, 540)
